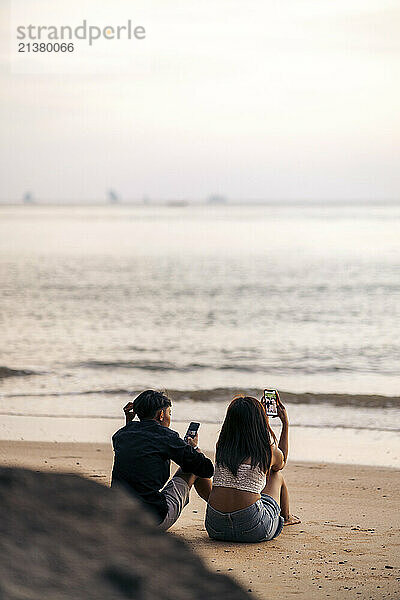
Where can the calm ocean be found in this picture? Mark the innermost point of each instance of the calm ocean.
(98, 301)
(305, 299)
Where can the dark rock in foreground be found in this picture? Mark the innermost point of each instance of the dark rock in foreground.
(64, 537)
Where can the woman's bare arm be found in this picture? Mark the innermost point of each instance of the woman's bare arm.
(280, 453)
(277, 458)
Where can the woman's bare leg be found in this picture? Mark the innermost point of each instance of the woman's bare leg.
(276, 488)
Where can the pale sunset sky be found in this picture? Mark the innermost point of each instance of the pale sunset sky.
(257, 100)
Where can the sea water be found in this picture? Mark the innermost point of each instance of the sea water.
(99, 301)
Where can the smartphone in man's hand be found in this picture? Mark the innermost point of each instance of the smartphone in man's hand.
(192, 430)
(269, 402)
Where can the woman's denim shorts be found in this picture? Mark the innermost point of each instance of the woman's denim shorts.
(259, 522)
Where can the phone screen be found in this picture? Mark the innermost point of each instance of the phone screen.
(192, 430)
(270, 403)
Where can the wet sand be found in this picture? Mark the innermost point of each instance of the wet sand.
(347, 545)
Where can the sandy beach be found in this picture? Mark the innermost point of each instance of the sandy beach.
(347, 545)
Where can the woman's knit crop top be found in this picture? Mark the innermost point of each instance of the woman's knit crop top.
(248, 479)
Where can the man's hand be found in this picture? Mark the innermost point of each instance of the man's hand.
(193, 441)
(129, 414)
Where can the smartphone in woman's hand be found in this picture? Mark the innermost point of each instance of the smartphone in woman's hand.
(269, 402)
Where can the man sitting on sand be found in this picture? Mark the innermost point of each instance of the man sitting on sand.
(143, 452)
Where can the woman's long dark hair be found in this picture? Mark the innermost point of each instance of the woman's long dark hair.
(245, 434)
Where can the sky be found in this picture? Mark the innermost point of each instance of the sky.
(256, 100)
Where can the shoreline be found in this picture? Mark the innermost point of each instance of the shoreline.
(346, 545)
(338, 445)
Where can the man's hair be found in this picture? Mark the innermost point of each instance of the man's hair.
(148, 403)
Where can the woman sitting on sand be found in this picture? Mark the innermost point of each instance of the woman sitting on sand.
(249, 501)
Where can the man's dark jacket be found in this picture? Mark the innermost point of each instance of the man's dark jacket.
(143, 453)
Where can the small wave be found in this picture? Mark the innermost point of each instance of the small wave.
(7, 372)
(146, 365)
(164, 366)
(226, 395)
(149, 365)
(114, 392)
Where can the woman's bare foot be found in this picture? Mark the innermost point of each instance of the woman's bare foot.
(292, 520)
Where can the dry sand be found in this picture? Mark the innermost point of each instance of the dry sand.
(347, 545)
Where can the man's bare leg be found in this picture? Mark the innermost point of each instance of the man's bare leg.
(276, 488)
(202, 485)
(188, 477)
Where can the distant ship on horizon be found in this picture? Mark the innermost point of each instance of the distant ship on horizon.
(177, 203)
(113, 197)
(28, 198)
(217, 199)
